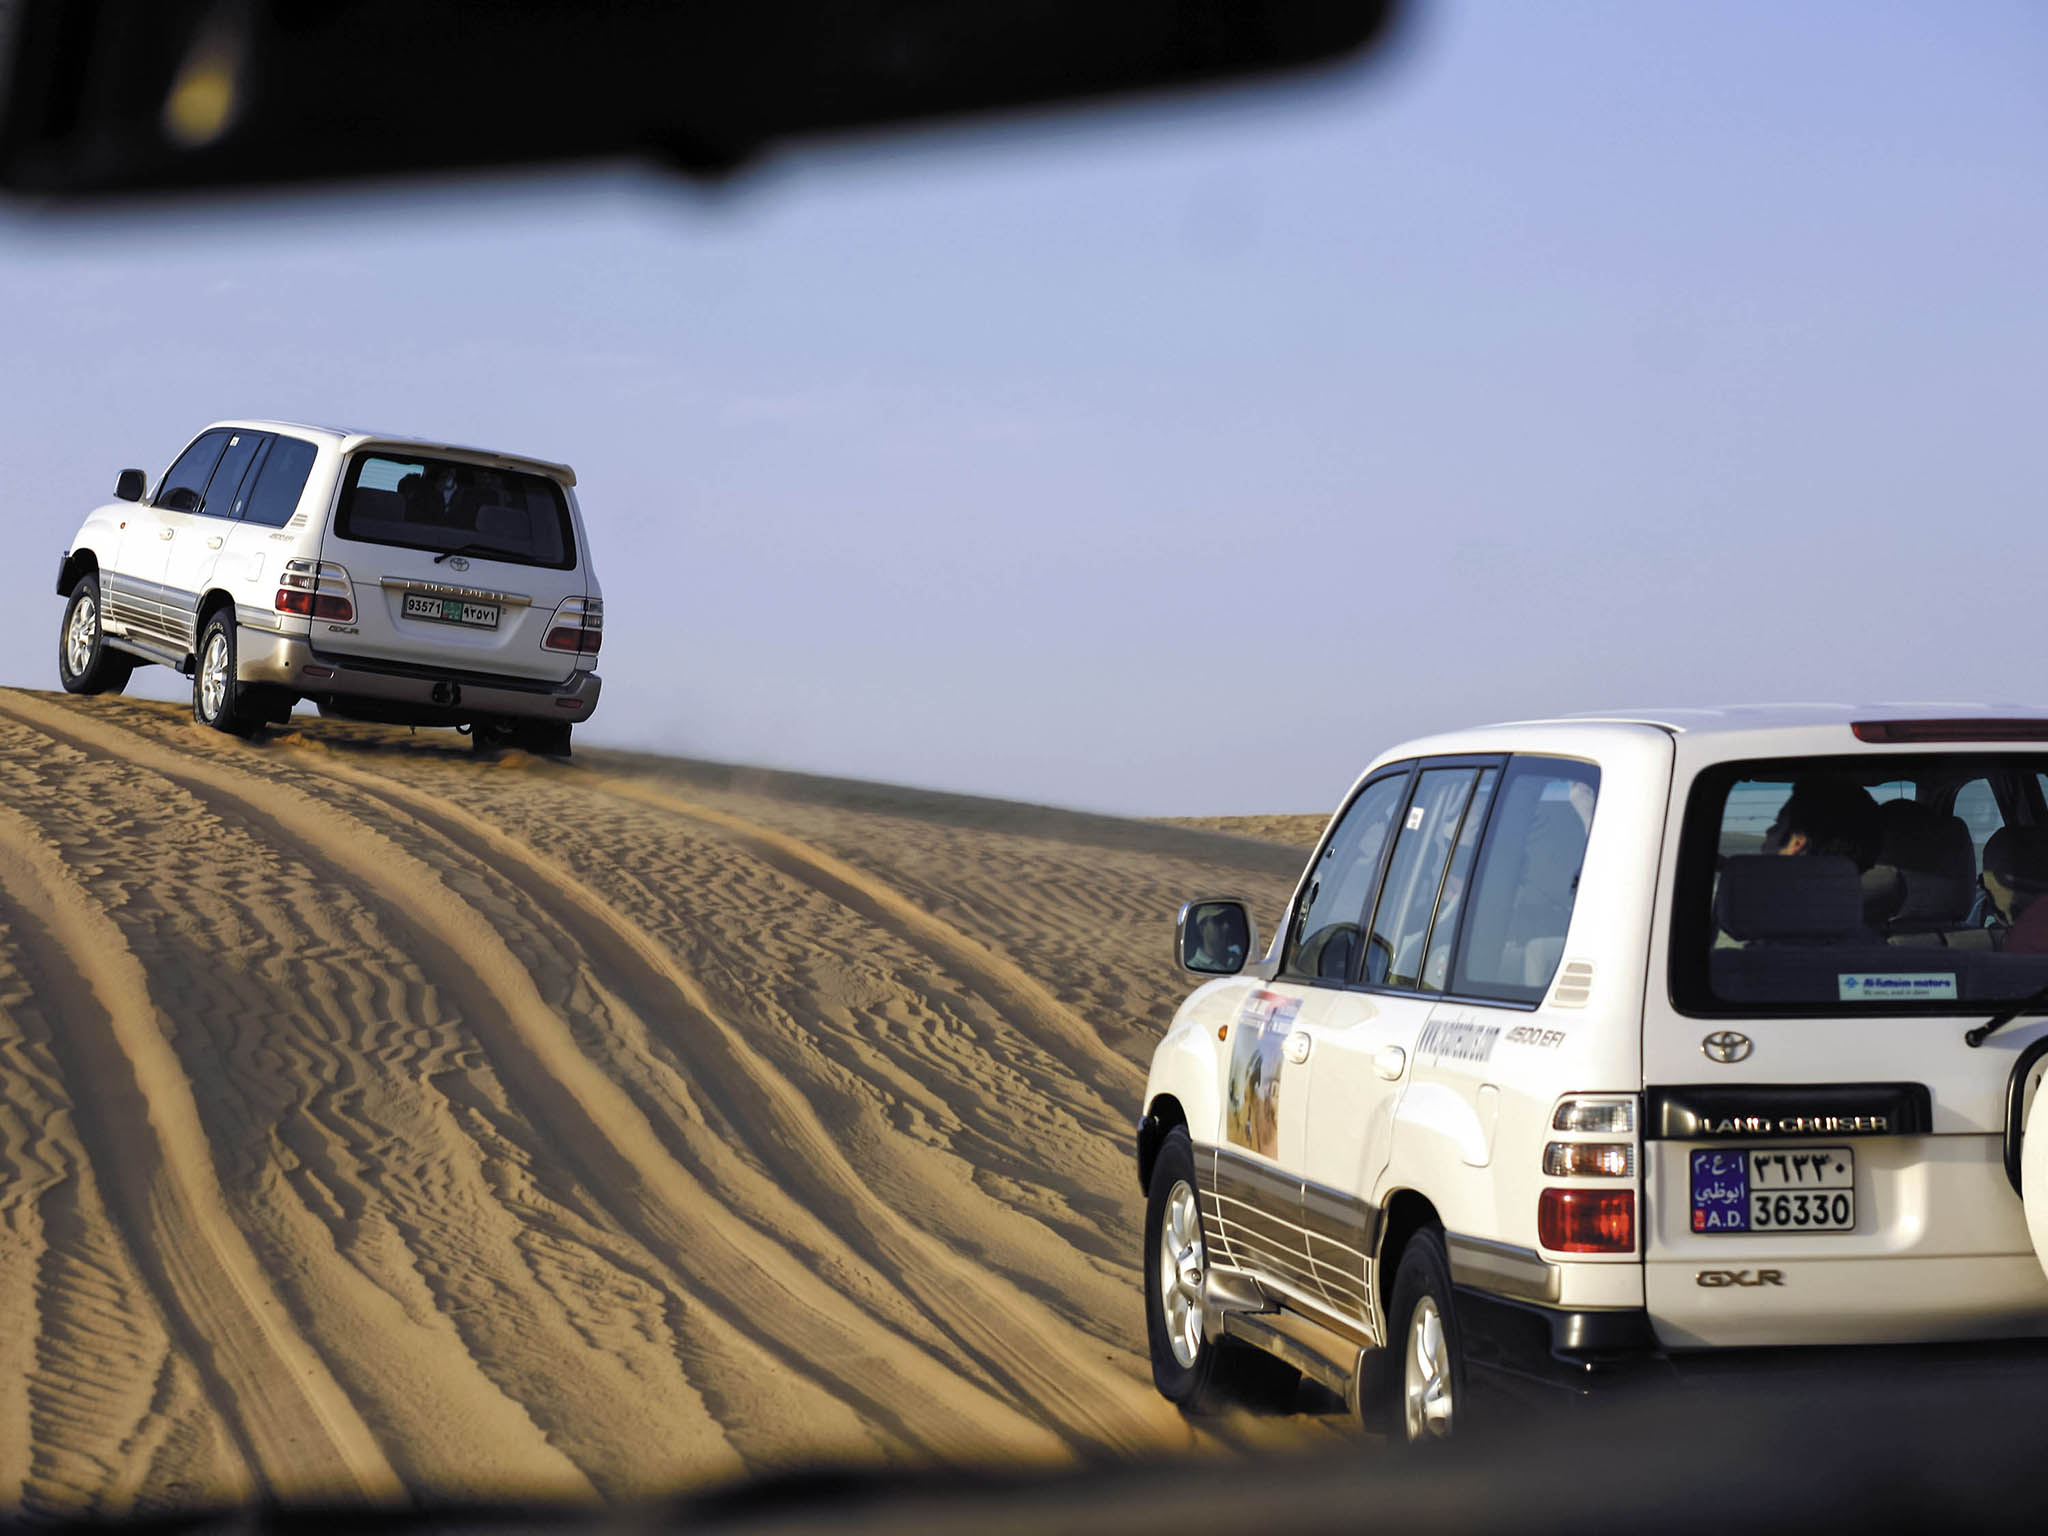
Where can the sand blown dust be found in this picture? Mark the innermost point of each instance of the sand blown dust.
(378, 1123)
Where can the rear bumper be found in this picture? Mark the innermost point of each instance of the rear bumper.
(418, 694)
(1531, 1346)
(1527, 1350)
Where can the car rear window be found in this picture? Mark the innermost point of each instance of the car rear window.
(1892, 884)
(452, 506)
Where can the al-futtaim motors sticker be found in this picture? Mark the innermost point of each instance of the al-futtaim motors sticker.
(1896, 986)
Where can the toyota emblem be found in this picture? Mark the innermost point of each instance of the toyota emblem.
(1727, 1045)
(457, 563)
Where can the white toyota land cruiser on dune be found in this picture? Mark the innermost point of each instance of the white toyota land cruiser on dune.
(1591, 1048)
(382, 578)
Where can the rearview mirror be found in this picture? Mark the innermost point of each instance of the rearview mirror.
(130, 486)
(100, 96)
(1215, 936)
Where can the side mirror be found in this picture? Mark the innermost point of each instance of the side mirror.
(182, 499)
(131, 485)
(1214, 936)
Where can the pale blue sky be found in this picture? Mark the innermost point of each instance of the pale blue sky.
(1179, 460)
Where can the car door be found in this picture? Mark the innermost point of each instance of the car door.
(134, 590)
(202, 534)
(1355, 1051)
(1259, 1164)
(1824, 1124)
(465, 579)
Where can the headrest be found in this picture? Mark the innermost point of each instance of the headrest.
(1936, 859)
(1806, 900)
(506, 524)
(381, 506)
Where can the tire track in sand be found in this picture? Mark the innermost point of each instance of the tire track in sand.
(140, 1123)
(1011, 1335)
(756, 1285)
(1118, 1080)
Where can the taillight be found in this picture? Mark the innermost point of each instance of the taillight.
(1590, 1160)
(316, 589)
(577, 627)
(1595, 1116)
(1587, 1220)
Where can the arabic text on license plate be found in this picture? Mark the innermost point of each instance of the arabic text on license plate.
(450, 610)
(1794, 1189)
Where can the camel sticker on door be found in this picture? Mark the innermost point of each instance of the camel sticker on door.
(1251, 1116)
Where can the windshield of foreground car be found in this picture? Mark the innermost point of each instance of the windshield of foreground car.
(1863, 884)
(445, 505)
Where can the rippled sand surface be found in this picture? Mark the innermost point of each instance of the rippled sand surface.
(382, 1123)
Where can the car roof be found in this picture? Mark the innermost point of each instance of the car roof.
(348, 439)
(1731, 719)
(1722, 732)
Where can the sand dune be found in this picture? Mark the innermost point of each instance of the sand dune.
(378, 1123)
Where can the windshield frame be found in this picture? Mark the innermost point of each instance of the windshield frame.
(1692, 929)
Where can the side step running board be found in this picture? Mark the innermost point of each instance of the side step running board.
(1319, 1354)
(163, 656)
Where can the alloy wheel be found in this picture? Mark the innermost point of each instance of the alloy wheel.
(213, 676)
(1183, 1266)
(80, 635)
(1427, 1395)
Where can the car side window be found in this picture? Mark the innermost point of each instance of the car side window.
(184, 483)
(225, 485)
(280, 481)
(1527, 881)
(1443, 928)
(1400, 925)
(1323, 942)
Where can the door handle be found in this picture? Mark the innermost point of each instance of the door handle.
(213, 543)
(1390, 1062)
(168, 533)
(1297, 1046)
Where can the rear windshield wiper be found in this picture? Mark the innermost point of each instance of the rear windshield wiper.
(1998, 1021)
(473, 549)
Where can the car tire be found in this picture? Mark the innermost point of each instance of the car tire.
(543, 738)
(85, 662)
(217, 696)
(1197, 1374)
(1424, 1393)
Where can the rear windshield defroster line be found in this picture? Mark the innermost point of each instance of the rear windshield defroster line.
(408, 501)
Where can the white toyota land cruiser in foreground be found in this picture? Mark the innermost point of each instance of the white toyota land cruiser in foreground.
(383, 578)
(1595, 1047)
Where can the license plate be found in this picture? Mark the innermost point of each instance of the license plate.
(451, 610)
(1782, 1189)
